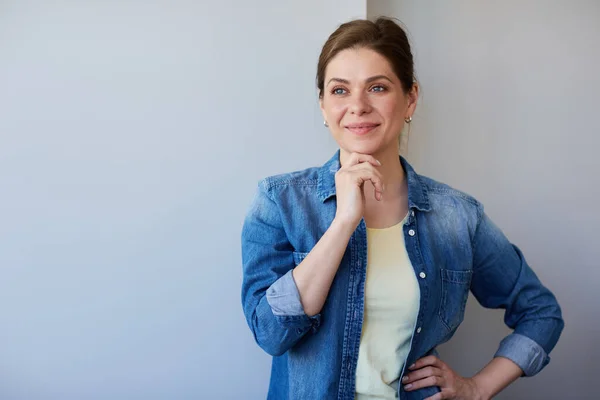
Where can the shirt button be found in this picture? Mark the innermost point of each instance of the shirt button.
(412, 213)
(419, 330)
(411, 232)
(422, 275)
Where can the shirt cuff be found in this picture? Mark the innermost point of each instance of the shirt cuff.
(524, 352)
(284, 298)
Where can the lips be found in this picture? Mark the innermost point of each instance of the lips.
(361, 128)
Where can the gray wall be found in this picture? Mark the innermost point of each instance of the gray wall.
(509, 113)
(132, 137)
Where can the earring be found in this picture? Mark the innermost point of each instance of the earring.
(408, 120)
(325, 123)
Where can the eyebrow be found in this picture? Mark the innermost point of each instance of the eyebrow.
(368, 80)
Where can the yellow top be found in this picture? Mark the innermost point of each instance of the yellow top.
(392, 297)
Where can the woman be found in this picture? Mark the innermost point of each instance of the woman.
(355, 271)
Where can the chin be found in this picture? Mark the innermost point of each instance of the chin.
(365, 147)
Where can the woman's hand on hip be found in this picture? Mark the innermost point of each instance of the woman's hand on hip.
(431, 371)
(349, 185)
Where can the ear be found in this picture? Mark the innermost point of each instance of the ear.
(322, 109)
(413, 96)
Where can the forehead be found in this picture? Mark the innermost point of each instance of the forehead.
(358, 64)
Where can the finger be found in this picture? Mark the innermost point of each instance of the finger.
(421, 374)
(361, 168)
(357, 158)
(423, 383)
(360, 176)
(425, 361)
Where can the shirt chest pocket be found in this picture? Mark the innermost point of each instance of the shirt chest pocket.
(455, 292)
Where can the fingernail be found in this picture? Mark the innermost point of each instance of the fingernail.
(405, 379)
(408, 386)
(378, 162)
(412, 366)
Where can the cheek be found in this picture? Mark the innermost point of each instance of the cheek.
(336, 109)
(392, 111)
(390, 108)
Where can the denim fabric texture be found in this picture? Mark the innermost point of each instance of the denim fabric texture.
(453, 246)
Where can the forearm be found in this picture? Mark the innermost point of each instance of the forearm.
(496, 376)
(314, 275)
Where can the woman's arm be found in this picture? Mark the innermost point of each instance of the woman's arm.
(431, 371)
(496, 376)
(314, 275)
(501, 279)
(282, 301)
(270, 298)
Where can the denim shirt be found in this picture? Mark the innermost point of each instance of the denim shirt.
(453, 246)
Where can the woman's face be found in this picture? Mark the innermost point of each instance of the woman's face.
(363, 102)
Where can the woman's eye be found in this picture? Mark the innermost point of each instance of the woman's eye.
(378, 88)
(339, 91)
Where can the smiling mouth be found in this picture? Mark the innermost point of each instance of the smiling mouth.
(361, 129)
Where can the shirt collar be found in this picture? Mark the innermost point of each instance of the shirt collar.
(418, 196)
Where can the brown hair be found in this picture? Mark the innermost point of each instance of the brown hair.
(383, 35)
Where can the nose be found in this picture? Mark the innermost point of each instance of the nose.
(360, 104)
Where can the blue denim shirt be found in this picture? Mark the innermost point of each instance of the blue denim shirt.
(453, 246)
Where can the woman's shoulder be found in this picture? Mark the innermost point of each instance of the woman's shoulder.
(452, 210)
(304, 177)
(442, 196)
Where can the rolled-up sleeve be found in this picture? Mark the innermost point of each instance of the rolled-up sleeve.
(270, 297)
(284, 298)
(503, 279)
(527, 354)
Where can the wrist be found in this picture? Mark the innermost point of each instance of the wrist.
(479, 388)
(343, 226)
